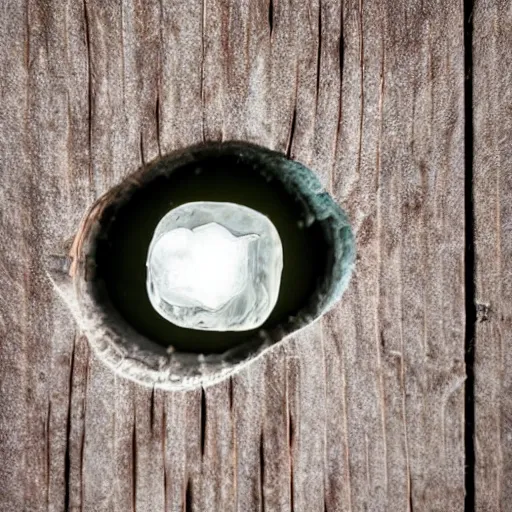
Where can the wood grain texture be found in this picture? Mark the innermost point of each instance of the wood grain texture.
(492, 77)
(361, 411)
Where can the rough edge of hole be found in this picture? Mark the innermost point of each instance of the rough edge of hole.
(136, 357)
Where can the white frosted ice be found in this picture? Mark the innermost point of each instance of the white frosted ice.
(204, 267)
(214, 266)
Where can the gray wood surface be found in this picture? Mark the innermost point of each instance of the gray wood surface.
(492, 57)
(361, 411)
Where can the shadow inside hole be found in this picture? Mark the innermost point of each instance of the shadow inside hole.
(223, 175)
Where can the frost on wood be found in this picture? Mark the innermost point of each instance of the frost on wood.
(214, 266)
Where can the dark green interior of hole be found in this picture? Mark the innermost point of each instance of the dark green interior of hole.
(219, 176)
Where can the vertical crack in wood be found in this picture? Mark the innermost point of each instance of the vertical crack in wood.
(157, 118)
(470, 264)
(89, 87)
(361, 93)
(290, 436)
(82, 444)
(234, 444)
(164, 453)
(48, 453)
(271, 17)
(67, 454)
(230, 393)
(152, 408)
(409, 485)
(345, 424)
(203, 421)
(69, 152)
(324, 360)
(159, 81)
(292, 133)
(141, 149)
(262, 471)
(289, 144)
(203, 25)
(318, 54)
(123, 58)
(341, 47)
(187, 503)
(290, 447)
(27, 40)
(341, 63)
(367, 464)
(227, 50)
(134, 459)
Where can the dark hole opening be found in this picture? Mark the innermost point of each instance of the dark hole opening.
(220, 174)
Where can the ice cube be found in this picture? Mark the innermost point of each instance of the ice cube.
(214, 266)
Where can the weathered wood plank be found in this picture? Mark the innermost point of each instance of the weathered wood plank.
(492, 185)
(400, 172)
(361, 411)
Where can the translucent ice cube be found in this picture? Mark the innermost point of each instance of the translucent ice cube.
(214, 266)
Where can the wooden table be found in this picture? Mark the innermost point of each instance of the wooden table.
(401, 397)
